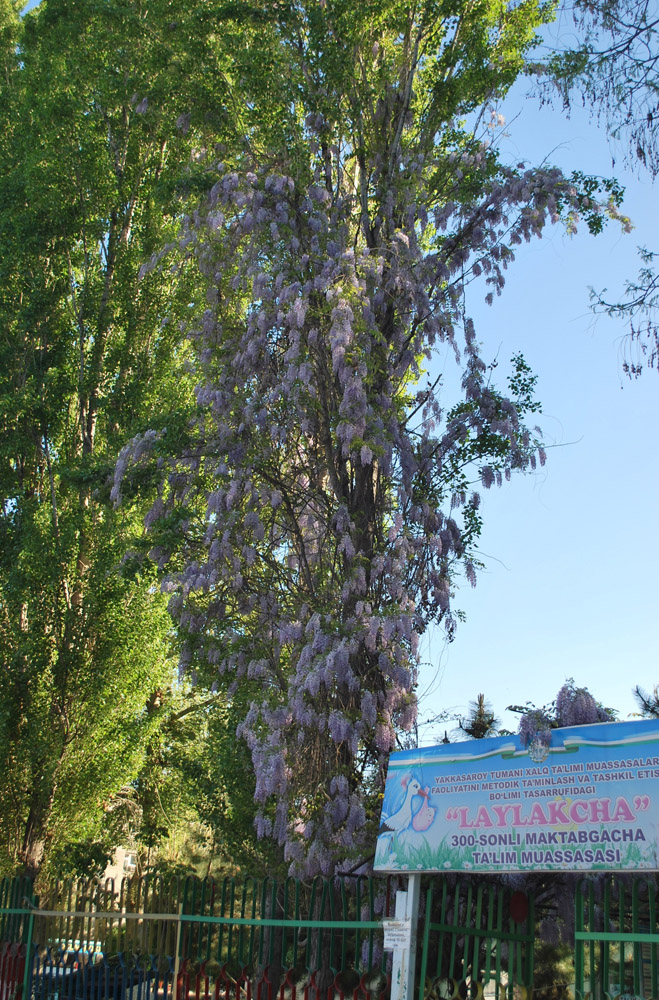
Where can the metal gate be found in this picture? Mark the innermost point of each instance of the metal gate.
(616, 938)
(477, 942)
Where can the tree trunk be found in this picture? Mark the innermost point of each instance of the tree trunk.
(34, 838)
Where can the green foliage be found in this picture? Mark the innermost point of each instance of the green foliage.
(522, 385)
(648, 702)
(481, 720)
(88, 353)
(76, 859)
(553, 969)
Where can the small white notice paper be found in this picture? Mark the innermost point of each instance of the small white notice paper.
(397, 934)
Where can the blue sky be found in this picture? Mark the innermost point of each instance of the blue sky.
(571, 552)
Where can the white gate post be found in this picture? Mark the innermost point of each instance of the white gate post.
(404, 958)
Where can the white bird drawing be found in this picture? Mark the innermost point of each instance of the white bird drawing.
(402, 818)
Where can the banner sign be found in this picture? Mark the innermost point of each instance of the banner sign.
(491, 805)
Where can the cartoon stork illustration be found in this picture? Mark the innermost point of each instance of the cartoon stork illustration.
(402, 818)
(426, 814)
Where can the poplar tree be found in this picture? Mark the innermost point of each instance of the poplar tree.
(100, 110)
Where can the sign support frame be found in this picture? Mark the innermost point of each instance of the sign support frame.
(403, 969)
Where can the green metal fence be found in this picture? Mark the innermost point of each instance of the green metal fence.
(258, 939)
(616, 938)
(202, 939)
(477, 941)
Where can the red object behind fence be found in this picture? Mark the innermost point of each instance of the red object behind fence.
(12, 970)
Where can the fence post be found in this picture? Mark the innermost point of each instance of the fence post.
(403, 968)
(27, 975)
(177, 959)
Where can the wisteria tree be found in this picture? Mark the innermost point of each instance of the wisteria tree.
(313, 519)
(574, 706)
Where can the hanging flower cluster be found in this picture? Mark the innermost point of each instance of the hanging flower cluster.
(535, 732)
(574, 706)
